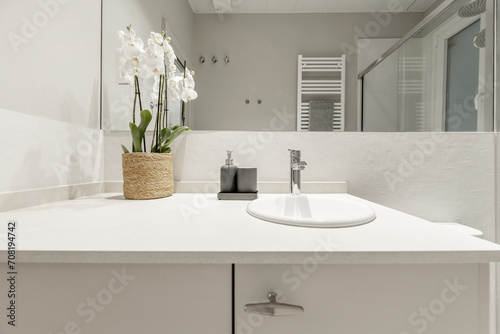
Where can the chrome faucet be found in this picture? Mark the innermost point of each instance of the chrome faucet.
(295, 167)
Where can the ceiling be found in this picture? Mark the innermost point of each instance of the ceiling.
(304, 6)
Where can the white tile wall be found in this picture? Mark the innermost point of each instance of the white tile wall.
(456, 181)
(439, 177)
(40, 153)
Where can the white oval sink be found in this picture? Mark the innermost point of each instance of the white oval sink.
(311, 211)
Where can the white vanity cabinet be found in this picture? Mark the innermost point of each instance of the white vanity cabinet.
(122, 298)
(362, 299)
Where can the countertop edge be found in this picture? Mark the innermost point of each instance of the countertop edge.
(200, 257)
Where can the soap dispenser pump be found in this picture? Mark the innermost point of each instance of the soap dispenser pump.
(228, 175)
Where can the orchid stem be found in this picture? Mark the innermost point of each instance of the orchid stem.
(133, 110)
(158, 113)
(140, 107)
(184, 103)
(165, 104)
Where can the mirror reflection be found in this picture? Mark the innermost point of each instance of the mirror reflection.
(249, 76)
(439, 80)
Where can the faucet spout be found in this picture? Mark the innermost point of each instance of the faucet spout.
(296, 165)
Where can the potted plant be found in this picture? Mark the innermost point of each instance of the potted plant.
(148, 175)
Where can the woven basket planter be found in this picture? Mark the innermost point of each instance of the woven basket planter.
(147, 175)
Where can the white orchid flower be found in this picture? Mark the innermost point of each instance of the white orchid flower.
(174, 87)
(166, 45)
(156, 87)
(156, 51)
(156, 38)
(169, 51)
(188, 95)
(133, 57)
(155, 67)
(131, 45)
(188, 83)
(126, 37)
(189, 80)
(149, 65)
(188, 92)
(135, 66)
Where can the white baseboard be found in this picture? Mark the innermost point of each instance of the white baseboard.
(23, 199)
(263, 187)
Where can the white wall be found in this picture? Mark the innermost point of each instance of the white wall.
(50, 56)
(49, 94)
(263, 49)
(435, 176)
(145, 16)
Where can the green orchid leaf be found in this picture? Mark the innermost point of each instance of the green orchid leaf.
(164, 134)
(165, 149)
(156, 149)
(146, 118)
(139, 131)
(176, 133)
(136, 137)
(125, 149)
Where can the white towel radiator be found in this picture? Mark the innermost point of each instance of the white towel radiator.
(321, 78)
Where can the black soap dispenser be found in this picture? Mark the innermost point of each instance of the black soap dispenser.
(228, 175)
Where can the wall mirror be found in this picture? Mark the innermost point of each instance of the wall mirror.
(410, 65)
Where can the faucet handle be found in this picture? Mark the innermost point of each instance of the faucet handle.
(299, 165)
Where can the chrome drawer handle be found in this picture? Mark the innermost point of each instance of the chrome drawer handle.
(273, 308)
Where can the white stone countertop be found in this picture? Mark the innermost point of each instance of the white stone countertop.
(198, 228)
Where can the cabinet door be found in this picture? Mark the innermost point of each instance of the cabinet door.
(361, 299)
(124, 299)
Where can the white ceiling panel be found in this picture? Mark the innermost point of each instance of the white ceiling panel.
(338, 6)
(201, 6)
(249, 6)
(371, 5)
(421, 5)
(310, 6)
(408, 4)
(281, 6)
